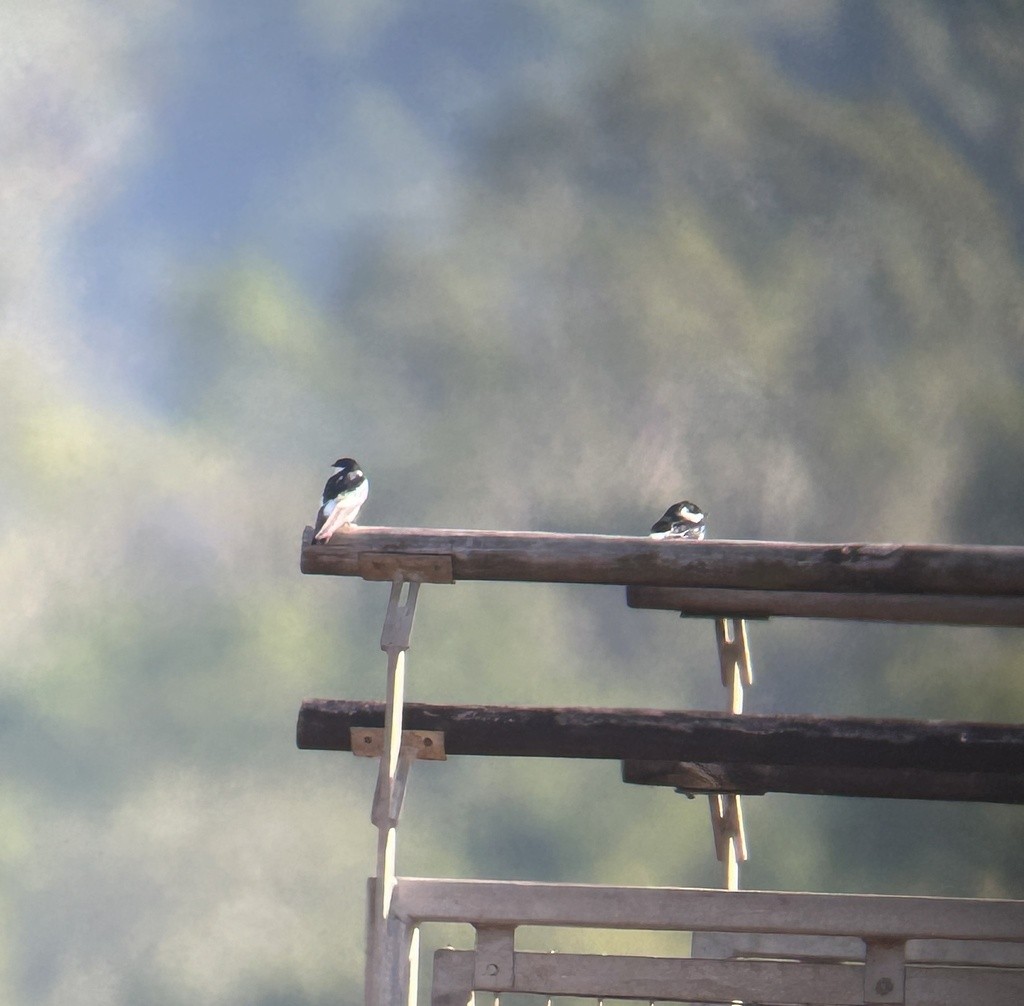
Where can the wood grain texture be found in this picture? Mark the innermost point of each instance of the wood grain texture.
(935, 609)
(886, 753)
(686, 980)
(876, 916)
(738, 565)
(917, 783)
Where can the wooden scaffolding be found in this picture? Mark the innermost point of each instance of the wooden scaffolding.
(748, 946)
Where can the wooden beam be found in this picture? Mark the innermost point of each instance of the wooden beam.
(678, 980)
(842, 949)
(664, 979)
(828, 780)
(878, 916)
(945, 609)
(844, 756)
(740, 565)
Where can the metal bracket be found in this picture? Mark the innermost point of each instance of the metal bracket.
(418, 568)
(368, 742)
(494, 967)
(885, 965)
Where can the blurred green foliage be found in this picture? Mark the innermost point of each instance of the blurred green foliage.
(681, 272)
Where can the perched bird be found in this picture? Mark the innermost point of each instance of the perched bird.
(344, 494)
(681, 520)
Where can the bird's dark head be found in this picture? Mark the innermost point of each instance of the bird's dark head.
(688, 511)
(348, 469)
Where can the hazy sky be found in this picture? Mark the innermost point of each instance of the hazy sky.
(549, 264)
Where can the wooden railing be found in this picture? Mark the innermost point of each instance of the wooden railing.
(747, 946)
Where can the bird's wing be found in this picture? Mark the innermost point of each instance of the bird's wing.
(346, 507)
(338, 516)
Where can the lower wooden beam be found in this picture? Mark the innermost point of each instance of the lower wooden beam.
(828, 780)
(843, 949)
(945, 609)
(680, 980)
(752, 753)
(661, 979)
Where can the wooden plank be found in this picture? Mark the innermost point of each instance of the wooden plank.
(664, 735)
(829, 780)
(681, 909)
(963, 987)
(944, 609)
(839, 949)
(674, 979)
(681, 980)
(740, 565)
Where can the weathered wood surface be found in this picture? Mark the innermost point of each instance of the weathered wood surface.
(685, 980)
(876, 916)
(837, 949)
(753, 753)
(378, 552)
(944, 609)
(918, 783)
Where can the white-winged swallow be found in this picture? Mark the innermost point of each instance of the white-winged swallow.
(683, 520)
(344, 494)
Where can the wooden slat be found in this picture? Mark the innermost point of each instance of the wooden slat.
(671, 979)
(879, 916)
(680, 980)
(840, 949)
(737, 565)
(829, 780)
(963, 987)
(843, 756)
(944, 609)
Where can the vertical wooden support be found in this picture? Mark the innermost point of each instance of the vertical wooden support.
(392, 956)
(393, 769)
(730, 837)
(391, 942)
(726, 808)
(734, 659)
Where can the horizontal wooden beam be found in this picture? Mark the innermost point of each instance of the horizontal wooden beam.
(379, 553)
(878, 916)
(945, 609)
(841, 756)
(828, 780)
(837, 949)
(678, 980)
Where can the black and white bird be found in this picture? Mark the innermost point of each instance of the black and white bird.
(344, 494)
(681, 520)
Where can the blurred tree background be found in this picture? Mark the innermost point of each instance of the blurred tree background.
(538, 265)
